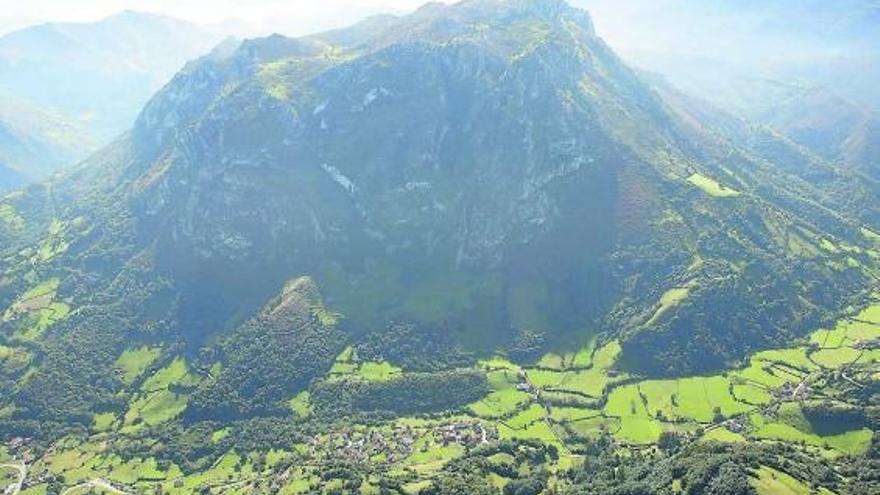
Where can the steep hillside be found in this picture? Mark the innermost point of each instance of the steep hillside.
(816, 118)
(838, 129)
(34, 143)
(834, 45)
(467, 250)
(488, 174)
(814, 81)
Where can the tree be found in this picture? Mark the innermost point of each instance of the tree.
(526, 486)
(669, 441)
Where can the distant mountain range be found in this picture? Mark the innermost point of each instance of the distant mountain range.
(67, 89)
(807, 69)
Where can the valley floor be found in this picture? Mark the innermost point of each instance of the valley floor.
(801, 396)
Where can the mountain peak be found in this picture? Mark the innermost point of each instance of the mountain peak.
(507, 25)
(548, 9)
(504, 12)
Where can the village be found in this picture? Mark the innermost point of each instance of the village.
(387, 446)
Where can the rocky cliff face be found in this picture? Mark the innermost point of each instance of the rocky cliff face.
(457, 138)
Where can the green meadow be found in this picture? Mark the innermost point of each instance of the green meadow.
(133, 362)
(160, 397)
(669, 300)
(769, 481)
(564, 399)
(712, 187)
(347, 365)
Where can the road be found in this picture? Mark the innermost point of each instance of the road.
(98, 483)
(14, 489)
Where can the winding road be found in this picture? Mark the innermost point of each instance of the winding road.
(15, 488)
(98, 483)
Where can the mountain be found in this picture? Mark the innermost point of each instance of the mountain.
(35, 142)
(820, 120)
(110, 68)
(420, 171)
(838, 129)
(814, 81)
(445, 252)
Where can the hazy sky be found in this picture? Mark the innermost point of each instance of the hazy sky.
(287, 16)
(614, 18)
(628, 25)
(620, 22)
(290, 17)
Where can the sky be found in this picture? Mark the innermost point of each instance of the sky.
(254, 16)
(249, 18)
(647, 26)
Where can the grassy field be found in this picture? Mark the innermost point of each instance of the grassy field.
(849, 332)
(103, 421)
(8, 476)
(14, 360)
(536, 431)
(347, 365)
(636, 424)
(38, 321)
(38, 310)
(590, 382)
(836, 358)
(572, 414)
(791, 426)
(429, 457)
(594, 399)
(722, 435)
(692, 398)
(500, 404)
(594, 427)
(750, 394)
(176, 373)
(505, 399)
(859, 330)
(155, 408)
(54, 244)
(639, 431)
(36, 298)
(870, 235)
(378, 371)
(769, 481)
(795, 358)
(712, 187)
(762, 375)
(156, 402)
(669, 300)
(133, 362)
(43, 289)
(10, 218)
(301, 404)
(871, 315)
(525, 418)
